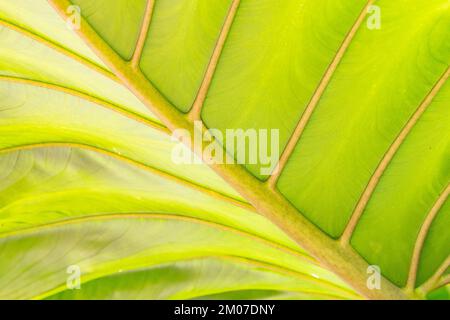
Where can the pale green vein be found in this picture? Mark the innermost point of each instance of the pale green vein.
(237, 259)
(88, 97)
(106, 217)
(165, 216)
(58, 48)
(153, 170)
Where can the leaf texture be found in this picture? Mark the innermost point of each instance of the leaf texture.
(364, 122)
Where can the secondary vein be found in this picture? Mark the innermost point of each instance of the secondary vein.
(59, 49)
(374, 180)
(306, 116)
(135, 60)
(194, 113)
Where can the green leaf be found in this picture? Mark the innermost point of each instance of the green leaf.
(118, 24)
(364, 134)
(183, 36)
(174, 281)
(64, 206)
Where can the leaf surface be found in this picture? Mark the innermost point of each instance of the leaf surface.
(362, 112)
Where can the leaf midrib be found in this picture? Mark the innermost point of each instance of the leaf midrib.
(343, 260)
(194, 114)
